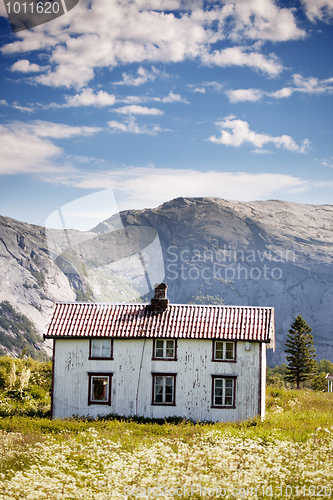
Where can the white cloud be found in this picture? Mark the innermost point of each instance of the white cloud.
(27, 148)
(240, 56)
(108, 33)
(67, 75)
(261, 151)
(143, 76)
(132, 99)
(282, 93)
(242, 95)
(199, 90)
(216, 85)
(149, 186)
(160, 4)
(236, 132)
(312, 85)
(15, 105)
(22, 151)
(59, 130)
(170, 98)
(134, 109)
(264, 20)
(321, 10)
(32, 40)
(24, 109)
(131, 126)
(112, 33)
(326, 162)
(88, 98)
(303, 85)
(25, 66)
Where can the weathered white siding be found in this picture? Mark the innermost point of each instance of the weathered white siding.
(132, 369)
(263, 380)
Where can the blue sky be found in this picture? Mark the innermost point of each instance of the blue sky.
(155, 99)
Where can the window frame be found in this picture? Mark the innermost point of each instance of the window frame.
(155, 358)
(154, 375)
(90, 379)
(224, 377)
(100, 357)
(234, 360)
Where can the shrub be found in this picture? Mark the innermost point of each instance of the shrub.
(86, 296)
(319, 382)
(275, 381)
(39, 276)
(30, 395)
(3, 378)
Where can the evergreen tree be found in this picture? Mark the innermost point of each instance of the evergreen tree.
(300, 352)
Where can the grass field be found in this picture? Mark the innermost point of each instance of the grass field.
(288, 455)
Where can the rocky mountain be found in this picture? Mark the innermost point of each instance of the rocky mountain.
(270, 253)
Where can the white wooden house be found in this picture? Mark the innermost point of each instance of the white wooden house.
(199, 362)
(329, 378)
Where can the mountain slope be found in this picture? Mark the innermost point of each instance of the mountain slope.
(28, 279)
(269, 253)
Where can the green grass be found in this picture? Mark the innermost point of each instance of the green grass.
(79, 458)
(290, 414)
(297, 414)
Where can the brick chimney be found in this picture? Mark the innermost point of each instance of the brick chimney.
(159, 303)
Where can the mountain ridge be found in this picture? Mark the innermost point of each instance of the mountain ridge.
(267, 253)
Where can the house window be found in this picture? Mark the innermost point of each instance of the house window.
(101, 349)
(164, 389)
(223, 391)
(99, 389)
(164, 349)
(224, 351)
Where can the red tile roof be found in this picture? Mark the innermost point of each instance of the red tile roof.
(178, 321)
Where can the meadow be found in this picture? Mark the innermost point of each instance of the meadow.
(288, 455)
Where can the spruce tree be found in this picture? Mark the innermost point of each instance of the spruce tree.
(300, 352)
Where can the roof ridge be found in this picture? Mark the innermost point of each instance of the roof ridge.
(170, 304)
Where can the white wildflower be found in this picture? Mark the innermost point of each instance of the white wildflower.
(24, 378)
(12, 377)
